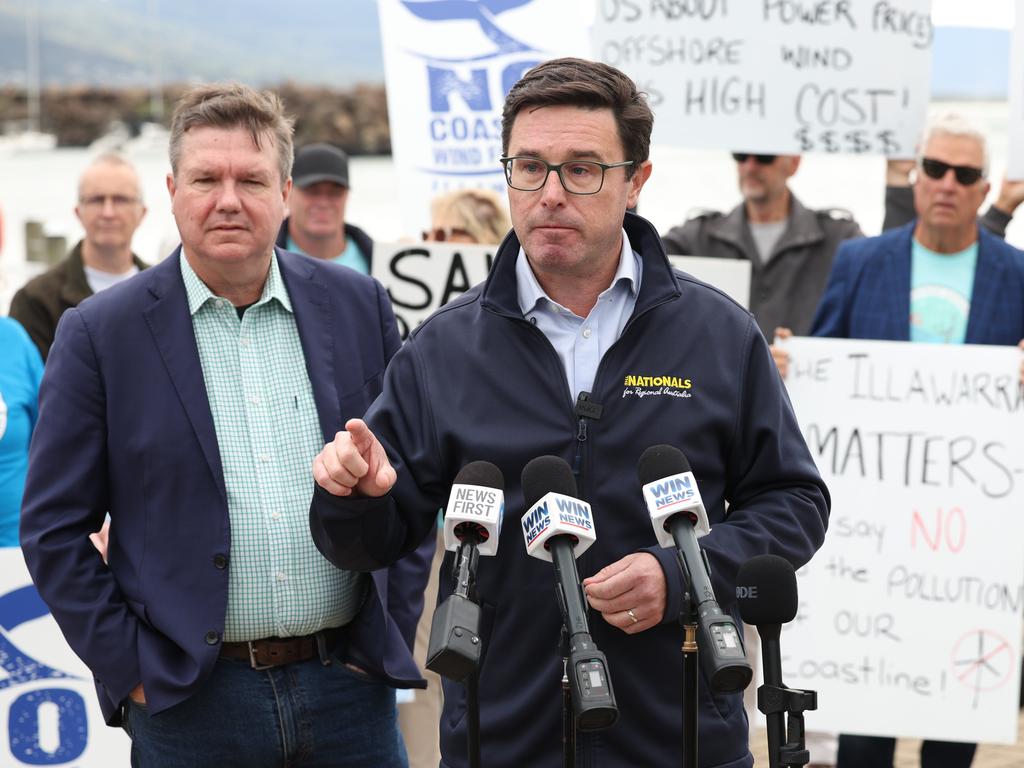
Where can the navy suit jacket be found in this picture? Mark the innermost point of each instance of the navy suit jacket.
(868, 292)
(125, 426)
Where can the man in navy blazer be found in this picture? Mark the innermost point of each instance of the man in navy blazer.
(217, 634)
(941, 278)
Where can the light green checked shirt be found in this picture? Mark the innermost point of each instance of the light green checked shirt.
(268, 434)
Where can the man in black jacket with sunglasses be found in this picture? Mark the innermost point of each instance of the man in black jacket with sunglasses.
(789, 246)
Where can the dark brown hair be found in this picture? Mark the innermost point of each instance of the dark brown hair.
(590, 85)
(233, 105)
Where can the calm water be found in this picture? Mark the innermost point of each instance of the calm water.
(41, 186)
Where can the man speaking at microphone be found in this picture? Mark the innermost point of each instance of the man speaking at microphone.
(583, 343)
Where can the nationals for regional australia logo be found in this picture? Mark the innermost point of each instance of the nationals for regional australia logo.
(661, 385)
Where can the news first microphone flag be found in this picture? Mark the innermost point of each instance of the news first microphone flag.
(910, 614)
(476, 502)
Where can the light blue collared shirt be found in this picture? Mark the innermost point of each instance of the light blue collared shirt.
(581, 342)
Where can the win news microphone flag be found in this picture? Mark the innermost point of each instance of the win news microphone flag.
(472, 525)
(679, 518)
(558, 528)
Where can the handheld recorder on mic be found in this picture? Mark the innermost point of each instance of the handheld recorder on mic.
(472, 524)
(558, 527)
(679, 518)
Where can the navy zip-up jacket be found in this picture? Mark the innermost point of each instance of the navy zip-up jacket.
(477, 381)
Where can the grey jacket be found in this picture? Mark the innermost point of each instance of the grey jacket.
(785, 291)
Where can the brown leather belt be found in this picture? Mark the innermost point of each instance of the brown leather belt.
(277, 651)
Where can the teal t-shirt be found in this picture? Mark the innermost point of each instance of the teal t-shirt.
(940, 294)
(351, 257)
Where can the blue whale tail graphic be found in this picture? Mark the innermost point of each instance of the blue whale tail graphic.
(483, 12)
(17, 607)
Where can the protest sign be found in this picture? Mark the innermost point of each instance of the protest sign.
(448, 66)
(779, 76)
(49, 714)
(422, 277)
(910, 614)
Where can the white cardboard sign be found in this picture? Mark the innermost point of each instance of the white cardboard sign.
(422, 277)
(910, 614)
(778, 76)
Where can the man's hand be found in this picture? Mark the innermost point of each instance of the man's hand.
(780, 355)
(1011, 195)
(99, 539)
(354, 462)
(897, 172)
(1021, 345)
(137, 695)
(630, 593)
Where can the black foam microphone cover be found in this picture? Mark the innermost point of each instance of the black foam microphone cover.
(481, 473)
(660, 461)
(547, 474)
(766, 590)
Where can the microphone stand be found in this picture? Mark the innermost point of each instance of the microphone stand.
(454, 648)
(568, 714)
(786, 745)
(465, 582)
(691, 667)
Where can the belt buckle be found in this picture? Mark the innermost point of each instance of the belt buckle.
(252, 659)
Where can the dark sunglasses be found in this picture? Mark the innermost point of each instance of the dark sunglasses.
(741, 157)
(936, 169)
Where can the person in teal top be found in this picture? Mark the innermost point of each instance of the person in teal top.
(21, 368)
(316, 222)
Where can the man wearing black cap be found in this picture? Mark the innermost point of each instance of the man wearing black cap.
(316, 224)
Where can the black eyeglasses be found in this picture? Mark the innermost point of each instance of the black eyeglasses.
(578, 177)
(742, 157)
(966, 175)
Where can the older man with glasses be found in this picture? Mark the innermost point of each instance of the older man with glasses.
(110, 208)
(790, 247)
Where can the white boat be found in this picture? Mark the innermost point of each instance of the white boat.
(27, 141)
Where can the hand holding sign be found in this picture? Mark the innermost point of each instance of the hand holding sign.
(354, 461)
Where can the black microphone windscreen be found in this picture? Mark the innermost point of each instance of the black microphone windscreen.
(766, 590)
(660, 461)
(481, 473)
(547, 474)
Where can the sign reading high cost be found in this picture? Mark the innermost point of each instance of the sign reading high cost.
(776, 76)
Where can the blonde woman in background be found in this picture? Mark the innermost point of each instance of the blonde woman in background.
(468, 216)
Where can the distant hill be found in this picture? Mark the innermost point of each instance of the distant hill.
(112, 42)
(319, 42)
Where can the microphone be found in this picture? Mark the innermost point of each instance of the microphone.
(767, 597)
(476, 508)
(558, 527)
(679, 518)
(472, 524)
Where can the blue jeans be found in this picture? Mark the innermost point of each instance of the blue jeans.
(302, 715)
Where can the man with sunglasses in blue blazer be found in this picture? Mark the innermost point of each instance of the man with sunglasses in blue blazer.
(941, 278)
